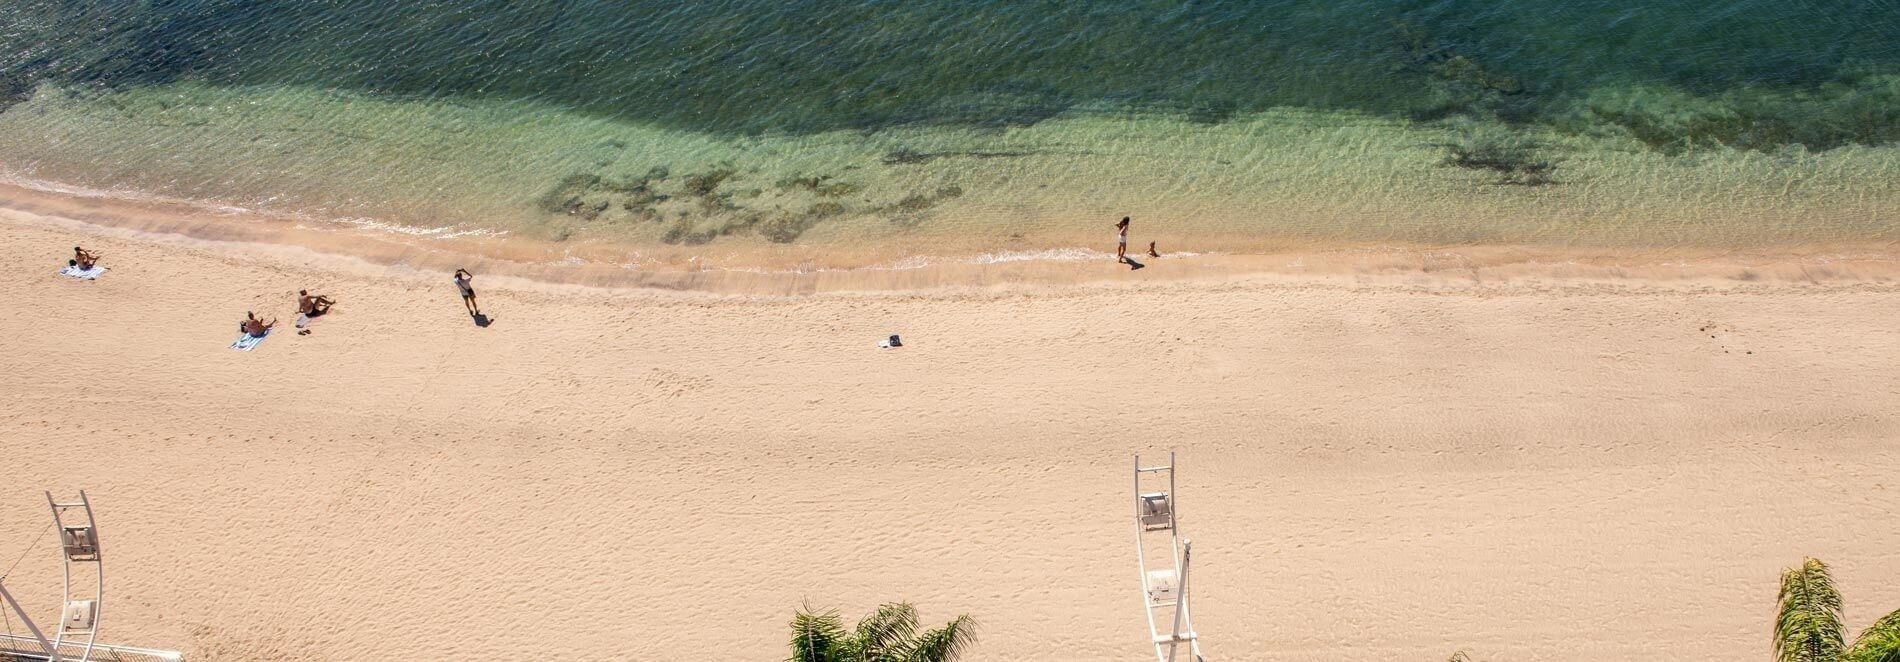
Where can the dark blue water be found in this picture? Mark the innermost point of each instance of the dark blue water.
(1762, 73)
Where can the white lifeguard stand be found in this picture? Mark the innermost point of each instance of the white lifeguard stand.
(1163, 588)
(81, 601)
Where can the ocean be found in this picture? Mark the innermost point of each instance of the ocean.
(918, 128)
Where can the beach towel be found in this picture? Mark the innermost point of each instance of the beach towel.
(246, 342)
(76, 272)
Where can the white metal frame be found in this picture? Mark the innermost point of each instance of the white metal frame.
(52, 652)
(1175, 597)
(79, 547)
(26, 649)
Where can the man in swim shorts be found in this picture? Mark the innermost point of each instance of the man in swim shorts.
(256, 328)
(312, 306)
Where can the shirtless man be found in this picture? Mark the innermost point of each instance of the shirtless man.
(83, 258)
(312, 306)
(256, 328)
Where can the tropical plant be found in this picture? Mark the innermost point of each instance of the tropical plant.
(1808, 626)
(887, 635)
(1880, 642)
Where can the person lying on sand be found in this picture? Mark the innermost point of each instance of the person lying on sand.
(1151, 250)
(256, 328)
(83, 258)
(312, 306)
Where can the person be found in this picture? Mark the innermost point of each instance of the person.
(256, 328)
(312, 306)
(83, 258)
(462, 278)
(1121, 240)
(1151, 250)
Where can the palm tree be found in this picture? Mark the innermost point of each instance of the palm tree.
(887, 635)
(1808, 627)
(1880, 642)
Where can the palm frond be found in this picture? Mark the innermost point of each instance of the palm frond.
(1880, 642)
(816, 635)
(883, 634)
(1808, 627)
(944, 644)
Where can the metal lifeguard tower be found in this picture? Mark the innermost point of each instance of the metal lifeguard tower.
(76, 637)
(1163, 586)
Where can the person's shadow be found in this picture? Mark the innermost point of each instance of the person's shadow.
(482, 320)
(1132, 264)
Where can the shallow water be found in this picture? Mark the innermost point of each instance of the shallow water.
(922, 127)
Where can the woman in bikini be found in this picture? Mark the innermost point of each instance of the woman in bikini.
(1121, 241)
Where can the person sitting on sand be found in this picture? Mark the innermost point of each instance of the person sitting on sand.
(1151, 250)
(1121, 241)
(462, 279)
(83, 259)
(256, 328)
(312, 306)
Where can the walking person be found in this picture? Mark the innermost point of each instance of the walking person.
(462, 278)
(1121, 241)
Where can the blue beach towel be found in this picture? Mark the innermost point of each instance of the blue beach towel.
(247, 342)
(86, 274)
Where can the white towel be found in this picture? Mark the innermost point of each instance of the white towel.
(247, 342)
(74, 271)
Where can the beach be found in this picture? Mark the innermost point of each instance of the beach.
(1376, 462)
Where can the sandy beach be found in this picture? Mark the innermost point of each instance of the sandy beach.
(1375, 466)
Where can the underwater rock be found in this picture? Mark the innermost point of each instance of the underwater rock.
(705, 183)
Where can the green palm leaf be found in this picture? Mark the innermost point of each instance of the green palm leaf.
(1880, 642)
(883, 634)
(1808, 629)
(816, 636)
(944, 644)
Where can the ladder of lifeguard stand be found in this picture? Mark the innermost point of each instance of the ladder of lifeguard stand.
(79, 546)
(1163, 589)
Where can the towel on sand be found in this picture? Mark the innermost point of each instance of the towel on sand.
(76, 272)
(247, 342)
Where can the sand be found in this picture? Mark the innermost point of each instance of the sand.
(1373, 466)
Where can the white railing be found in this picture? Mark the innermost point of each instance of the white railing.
(27, 649)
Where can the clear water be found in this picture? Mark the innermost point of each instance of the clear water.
(753, 123)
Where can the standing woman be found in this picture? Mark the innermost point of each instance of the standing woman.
(462, 278)
(1121, 240)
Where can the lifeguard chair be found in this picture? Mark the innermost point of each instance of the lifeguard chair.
(1164, 589)
(75, 638)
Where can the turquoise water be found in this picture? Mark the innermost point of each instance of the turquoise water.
(330, 107)
(808, 66)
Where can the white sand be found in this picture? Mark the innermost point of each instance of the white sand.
(1372, 469)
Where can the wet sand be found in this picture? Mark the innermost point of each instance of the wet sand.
(1395, 460)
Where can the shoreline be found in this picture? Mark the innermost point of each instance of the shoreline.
(605, 266)
(1374, 467)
